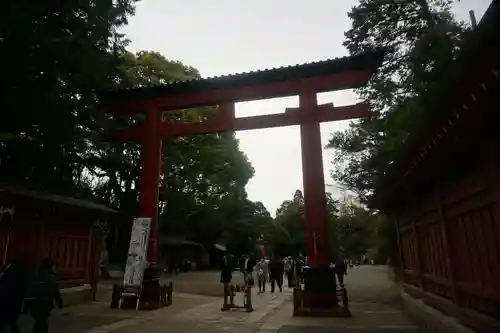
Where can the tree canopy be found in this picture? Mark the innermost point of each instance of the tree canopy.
(62, 55)
(353, 232)
(424, 38)
(51, 128)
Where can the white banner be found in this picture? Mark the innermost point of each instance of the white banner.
(137, 253)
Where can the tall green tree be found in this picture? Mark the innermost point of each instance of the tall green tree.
(290, 216)
(203, 177)
(61, 52)
(424, 39)
(116, 167)
(355, 232)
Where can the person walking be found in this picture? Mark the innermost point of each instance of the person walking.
(43, 292)
(226, 272)
(248, 264)
(13, 285)
(340, 270)
(289, 268)
(262, 269)
(276, 271)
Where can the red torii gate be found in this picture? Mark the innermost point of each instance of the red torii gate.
(303, 80)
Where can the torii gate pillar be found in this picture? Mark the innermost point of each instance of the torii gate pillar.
(319, 281)
(314, 183)
(150, 177)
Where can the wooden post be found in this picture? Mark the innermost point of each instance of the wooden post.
(231, 295)
(248, 292)
(96, 268)
(89, 278)
(150, 177)
(400, 248)
(225, 305)
(419, 256)
(447, 246)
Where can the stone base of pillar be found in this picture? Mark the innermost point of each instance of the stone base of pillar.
(318, 297)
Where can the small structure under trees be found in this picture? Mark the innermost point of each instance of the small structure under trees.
(445, 189)
(64, 229)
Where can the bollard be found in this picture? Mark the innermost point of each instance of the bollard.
(345, 299)
(115, 296)
(248, 296)
(170, 294)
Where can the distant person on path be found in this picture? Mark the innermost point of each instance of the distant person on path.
(13, 285)
(300, 264)
(104, 262)
(340, 270)
(248, 264)
(262, 269)
(43, 291)
(247, 269)
(226, 272)
(289, 268)
(276, 271)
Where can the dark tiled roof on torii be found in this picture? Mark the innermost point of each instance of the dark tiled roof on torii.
(367, 60)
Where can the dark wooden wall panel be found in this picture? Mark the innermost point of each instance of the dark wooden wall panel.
(451, 255)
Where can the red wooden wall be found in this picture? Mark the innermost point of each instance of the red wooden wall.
(70, 248)
(68, 244)
(450, 248)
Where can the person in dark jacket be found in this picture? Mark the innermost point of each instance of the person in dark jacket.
(340, 270)
(248, 264)
(226, 273)
(289, 271)
(13, 285)
(43, 292)
(276, 271)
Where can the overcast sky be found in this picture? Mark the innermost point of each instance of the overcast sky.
(226, 36)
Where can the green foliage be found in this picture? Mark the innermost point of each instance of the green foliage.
(424, 38)
(387, 242)
(290, 216)
(62, 52)
(203, 176)
(354, 231)
(51, 125)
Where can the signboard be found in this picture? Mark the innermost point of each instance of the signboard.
(136, 259)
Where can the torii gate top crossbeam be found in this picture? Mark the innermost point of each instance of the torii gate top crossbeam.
(320, 76)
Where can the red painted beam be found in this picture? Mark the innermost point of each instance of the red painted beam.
(331, 82)
(323, 113)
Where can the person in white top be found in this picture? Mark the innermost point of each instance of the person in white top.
(262, 269)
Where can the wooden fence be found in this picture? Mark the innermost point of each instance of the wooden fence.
(450, 247)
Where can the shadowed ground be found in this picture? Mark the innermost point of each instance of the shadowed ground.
(374, 304)
(203, 283)
(373, 299)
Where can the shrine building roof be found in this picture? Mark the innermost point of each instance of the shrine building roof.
(369, 60)
(20, 193)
